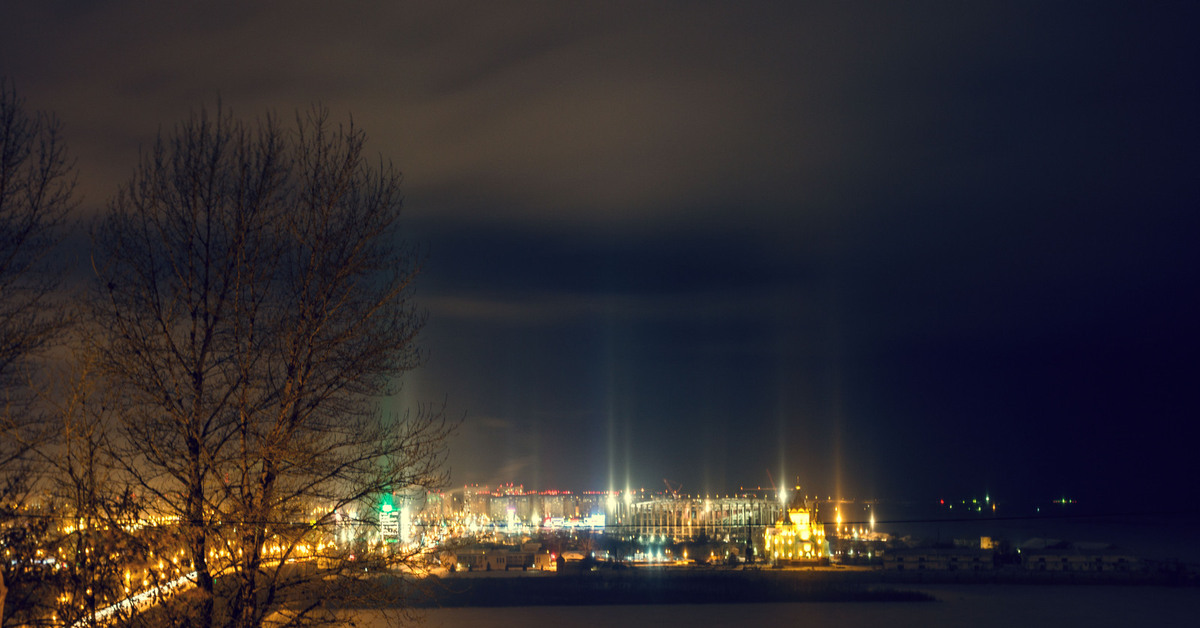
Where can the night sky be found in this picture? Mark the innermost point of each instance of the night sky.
(893, 249)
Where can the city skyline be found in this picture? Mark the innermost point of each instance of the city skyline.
(889, 250)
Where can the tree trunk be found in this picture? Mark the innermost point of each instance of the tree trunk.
(198, 539)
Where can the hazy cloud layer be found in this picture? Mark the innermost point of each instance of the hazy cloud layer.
(681, 237)
(606, 112)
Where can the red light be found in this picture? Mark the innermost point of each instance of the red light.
(942, 502)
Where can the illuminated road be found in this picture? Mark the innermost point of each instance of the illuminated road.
(143, 599)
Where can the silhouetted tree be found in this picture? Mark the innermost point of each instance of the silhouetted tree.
(253, 303)
(37, 181)
(36, 185)
(81, 536)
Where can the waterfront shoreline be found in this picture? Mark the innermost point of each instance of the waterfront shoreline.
(638, 586)
(657, 586)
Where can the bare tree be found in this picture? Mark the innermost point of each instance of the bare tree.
(254, 303)
(86, 521)
(36, 185)
(37, 181)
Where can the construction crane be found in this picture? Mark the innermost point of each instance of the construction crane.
(673, 487)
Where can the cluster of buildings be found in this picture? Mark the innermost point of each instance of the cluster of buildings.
(751, 527)
(510, 508)
(758, 523)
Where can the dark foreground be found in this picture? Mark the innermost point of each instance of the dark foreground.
(974, 605)
(651, 586)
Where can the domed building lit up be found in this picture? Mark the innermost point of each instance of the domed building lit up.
(797, 539)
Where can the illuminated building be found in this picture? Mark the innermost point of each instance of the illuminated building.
(389, 522)
(797, 538)
(682, 517)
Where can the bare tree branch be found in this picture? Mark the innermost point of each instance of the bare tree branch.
(37, 183)
(253, 303)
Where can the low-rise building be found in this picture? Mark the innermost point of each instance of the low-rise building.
(1076, 559)
(939, 559)
(499, 559)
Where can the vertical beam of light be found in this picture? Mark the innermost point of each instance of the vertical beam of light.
(617, 452)
(628, 455)
(617, 413)
(835, 352)
(535, 459)
(623, 418)
(518, 400)
(407, 397)
(781, 412)
(610, 402)
(837, 433)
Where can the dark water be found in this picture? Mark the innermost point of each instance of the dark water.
(978, 606)
(1149, 535)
